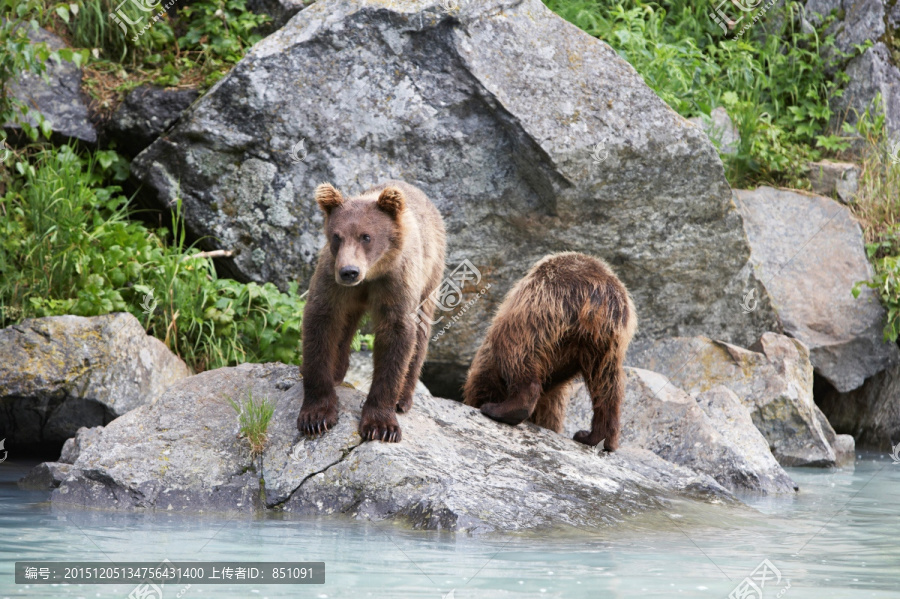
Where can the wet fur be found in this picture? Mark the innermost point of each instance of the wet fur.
(569, 315)
(400, 266)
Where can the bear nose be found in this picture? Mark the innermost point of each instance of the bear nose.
(349, 274)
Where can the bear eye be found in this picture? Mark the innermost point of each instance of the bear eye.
(365, 238)
(336, 238)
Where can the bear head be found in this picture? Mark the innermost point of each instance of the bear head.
(364, 234)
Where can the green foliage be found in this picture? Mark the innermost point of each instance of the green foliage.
(877, 204)
(18, 56)
(775, 85)
(205, 38)
(67, 246)
(253, 421)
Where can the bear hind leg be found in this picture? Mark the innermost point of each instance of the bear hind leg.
(550, 411)
(605, 382)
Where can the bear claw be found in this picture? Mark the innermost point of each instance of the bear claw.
(374, 428)
(316, 422)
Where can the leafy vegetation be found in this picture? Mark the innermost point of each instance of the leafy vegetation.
(68, 246)
(878, 207)
(775, 86)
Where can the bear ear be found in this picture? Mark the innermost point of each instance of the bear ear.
(391, 201)
(328, 198)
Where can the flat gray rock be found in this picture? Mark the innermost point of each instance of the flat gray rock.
(63, 372)
(713, 434)
(773, 379)
(808, 252)
(453, 470)
(529, 135)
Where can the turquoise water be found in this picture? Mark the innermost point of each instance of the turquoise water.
(839, 537)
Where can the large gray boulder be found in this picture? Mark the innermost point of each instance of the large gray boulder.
(64, 372)
(773, 379)
(528, 134)
(454, 469)
(713, 434)
(808, 252)
(58, 98)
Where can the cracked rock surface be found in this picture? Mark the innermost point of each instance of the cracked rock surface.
(454, 469)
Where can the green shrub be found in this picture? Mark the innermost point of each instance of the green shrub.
(67, 246)
(253, 421)
(776, 89)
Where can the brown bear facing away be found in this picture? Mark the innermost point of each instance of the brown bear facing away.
(385, 254)
(569, 315)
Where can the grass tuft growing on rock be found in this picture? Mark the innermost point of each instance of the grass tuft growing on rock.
(253, 421)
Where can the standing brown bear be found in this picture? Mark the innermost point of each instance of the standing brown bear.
(385, 254)
(569, 315)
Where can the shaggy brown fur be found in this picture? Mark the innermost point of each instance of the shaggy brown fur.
(569, 315)
(385, 254)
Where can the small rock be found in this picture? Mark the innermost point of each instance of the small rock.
(72, 447)
(720, 130)
(835, 179)
(774, 380)
(60, 373)
(60, 101)
(712, 435)
(45, 476)
(808, 251)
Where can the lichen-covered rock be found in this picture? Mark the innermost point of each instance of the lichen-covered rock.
(146, 112)
(64, 372)
(808, 252)
(713, 434)
(454, 469)
(59, 98)
(773, 379)
(529, 135)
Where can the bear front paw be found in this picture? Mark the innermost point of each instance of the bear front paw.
(378, 426)
(587, 438)
(316, 420)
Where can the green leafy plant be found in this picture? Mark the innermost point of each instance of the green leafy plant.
(68, 246)
(775, 85)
